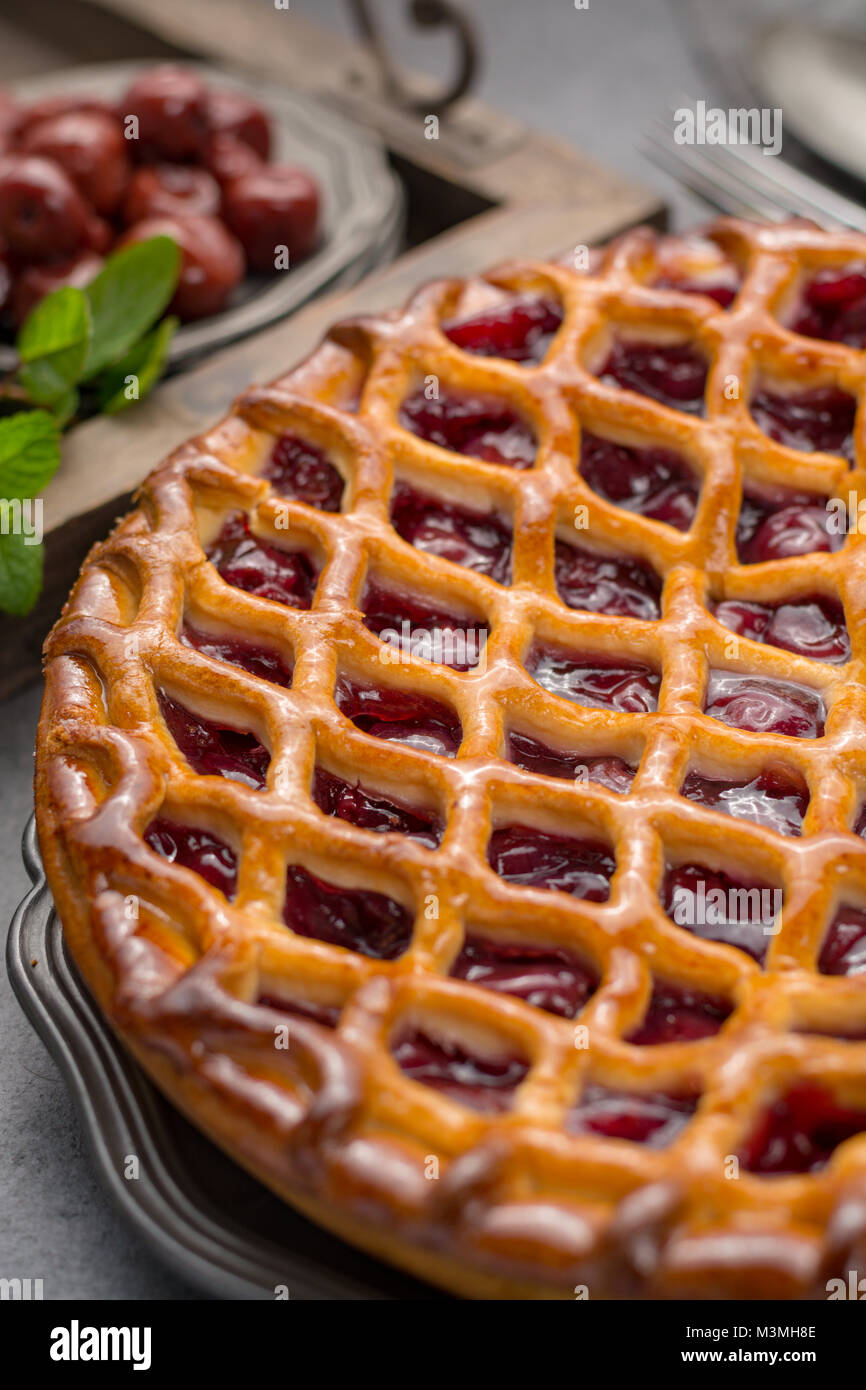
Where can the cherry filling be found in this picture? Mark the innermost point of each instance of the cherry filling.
(532, 756)
(679, 1015)
(605, 584)
(300, 470)
(776, 524)
(484, 1083)
(800, 1131)
(629, 687)
(353, 803)
(764, 706)
(654, 1119)
(773, 799)
(673, 373)
(412, 627)
(211, 858)
(482, 426)
(844, 948)
(655, 483)
(520, 329)
(821, 418)
(477, 540)
(285, 576)
(546, 976)
(812, 626)
(328, 1015)
(356, 918)
(401, 716)
(259, 661)
(214, 749)
(536, 858)
(834, 306)
(716, 907)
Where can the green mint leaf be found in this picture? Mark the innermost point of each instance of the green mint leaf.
(63, 407)
(20, 574)
(129, 380)
(53, 345)
(44, 384)
(58, 322)
(29, 453)
(128, 296)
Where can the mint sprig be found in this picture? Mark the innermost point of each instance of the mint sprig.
(124, 383)
(53, 345)
(127, 297)
(96, 349)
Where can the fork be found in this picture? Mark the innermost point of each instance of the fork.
(740, 179)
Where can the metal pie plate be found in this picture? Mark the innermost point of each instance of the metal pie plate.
(209, 1220)
(361, 201)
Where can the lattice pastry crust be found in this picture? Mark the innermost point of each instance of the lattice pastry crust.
(511, 1187)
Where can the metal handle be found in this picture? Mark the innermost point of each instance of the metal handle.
(426, 14)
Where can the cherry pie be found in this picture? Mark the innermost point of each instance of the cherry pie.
(451, 776)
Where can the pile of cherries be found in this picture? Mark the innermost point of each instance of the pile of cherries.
(173, 157)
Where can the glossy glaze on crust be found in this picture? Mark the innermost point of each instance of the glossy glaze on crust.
(529, 1202)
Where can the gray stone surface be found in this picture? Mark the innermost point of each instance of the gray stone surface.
(593, 77)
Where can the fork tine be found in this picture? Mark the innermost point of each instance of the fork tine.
(722, 190)
(728, 167)
(763, 200)
(703, 187)
(773, 179)
(801, 189)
